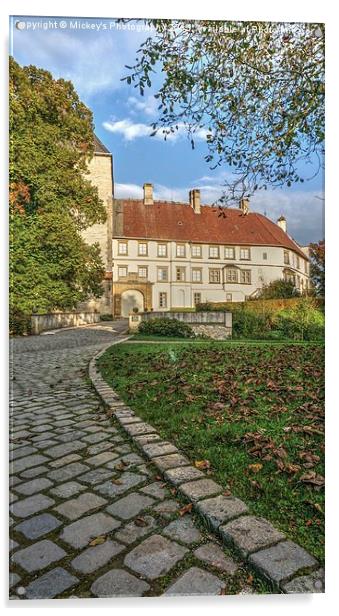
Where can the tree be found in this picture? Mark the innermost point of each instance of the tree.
(317, 267)
(255, 90)
(278, 289)
(51, 200)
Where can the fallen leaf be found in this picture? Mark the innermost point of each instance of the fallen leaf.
(250, 579)
(98, 540)
(117, 482)
(202, 464)
(185, 509)
(313, 479)
(255, 468)
(140, 522)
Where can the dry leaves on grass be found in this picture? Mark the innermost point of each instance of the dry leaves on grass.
(313, 479)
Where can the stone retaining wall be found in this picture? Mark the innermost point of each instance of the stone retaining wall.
(215, 325)
(56, 320)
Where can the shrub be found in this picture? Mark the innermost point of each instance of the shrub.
(166, 327)
(19, 322)
(278, 289)
(204, 307)
(304, 322)
(247, 324)
(106, 317)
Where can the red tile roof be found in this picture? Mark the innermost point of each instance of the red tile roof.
(178, 222)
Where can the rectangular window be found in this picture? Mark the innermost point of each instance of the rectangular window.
(245, 254)
(180, 274)
(196, 275)
(286, 257)
(215, 275)
(181, 250)
(264, 256)
(245, 276)
(229, 252)
(162, 250)
(228, 297)
(231, 274)
(196, 251)
(162, 274)
(197, 298)
(163, 300)
(142, 272)
(298, 262)
(213, 252)
(122, 272)
(122, 248)
(142, 249)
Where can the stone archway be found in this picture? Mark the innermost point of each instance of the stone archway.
(131, 298)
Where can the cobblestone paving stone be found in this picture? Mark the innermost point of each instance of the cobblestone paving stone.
(90, 514)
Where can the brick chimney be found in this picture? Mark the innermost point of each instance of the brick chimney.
(148, 194)
(194, 196)
(281, 222)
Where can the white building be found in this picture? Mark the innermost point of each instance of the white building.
(175, 255)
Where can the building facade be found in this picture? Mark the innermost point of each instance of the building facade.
(164, 255)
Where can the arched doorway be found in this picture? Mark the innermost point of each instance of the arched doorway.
(131, 299)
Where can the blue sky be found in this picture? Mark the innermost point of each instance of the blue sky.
(92, 54)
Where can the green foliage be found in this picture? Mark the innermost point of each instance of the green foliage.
(317, 269)
(166, 327)
(258, 93)
(304, 322)
(295, 318)
(106, 317)
(51, 200)
(279, 289)
(247, 324)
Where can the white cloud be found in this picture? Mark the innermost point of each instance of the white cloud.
(133, 130)
(148, 106)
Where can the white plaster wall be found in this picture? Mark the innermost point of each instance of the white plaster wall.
(180, 294)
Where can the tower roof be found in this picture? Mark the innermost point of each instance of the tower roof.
(99, 147)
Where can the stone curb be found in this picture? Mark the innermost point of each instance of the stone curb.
(284, 564)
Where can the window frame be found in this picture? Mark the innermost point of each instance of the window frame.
(124, 267)
(286, 257)
(182, 270)
(146, 270)
(211, 272)
(197, 269)
(162, 294)
(248, 251)
(194, 296)
(180, 245)
(162, 268)
(213, 247)
(229, 248)
(122, 243)
(142, 254)
(243, 274)
(236, 271)
(200, 250)
(158, 250)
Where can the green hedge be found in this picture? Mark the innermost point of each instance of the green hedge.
(166, 327)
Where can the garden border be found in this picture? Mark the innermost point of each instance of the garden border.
(288, 567)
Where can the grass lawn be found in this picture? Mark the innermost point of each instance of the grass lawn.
(253, 412)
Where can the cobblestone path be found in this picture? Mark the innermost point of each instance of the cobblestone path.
(89, 517)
